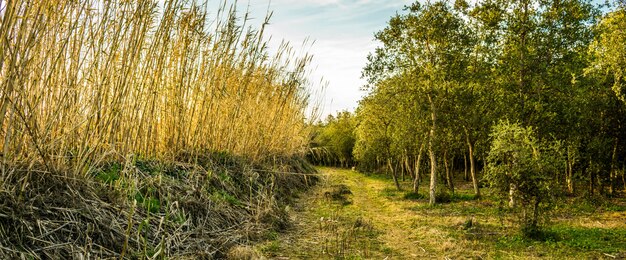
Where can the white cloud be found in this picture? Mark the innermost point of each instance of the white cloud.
(343, 31)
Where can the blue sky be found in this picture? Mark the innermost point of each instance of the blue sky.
(343, 35)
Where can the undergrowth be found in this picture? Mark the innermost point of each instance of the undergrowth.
(148, 208)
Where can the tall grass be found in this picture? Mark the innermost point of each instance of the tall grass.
(89, 81)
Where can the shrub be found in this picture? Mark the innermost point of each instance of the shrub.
(520, 167)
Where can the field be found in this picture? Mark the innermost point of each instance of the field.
(355, 216)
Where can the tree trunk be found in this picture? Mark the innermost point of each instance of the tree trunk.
(416, 181)
(465, 175)
(452, 159)
(569, 176)
(402, 167)
(624, 178)
(407, 166)
(433, 160)
(613, 173)
(591, 180)
(535, 220)
(448, 174)
(470, 147)
(512, 191)
(393, 174)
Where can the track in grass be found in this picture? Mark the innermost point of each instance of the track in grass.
(355, 216)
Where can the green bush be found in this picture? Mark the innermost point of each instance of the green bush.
(521, 169)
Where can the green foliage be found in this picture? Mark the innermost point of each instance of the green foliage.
(223, 196)
(412, 196)
(389, 192)
(522, 167)
(444, 72)
(333, 141)
(151, 204)
(444, 197)
(609, 50)
(109, 174)
(271, 247)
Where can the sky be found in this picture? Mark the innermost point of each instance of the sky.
(342, 35)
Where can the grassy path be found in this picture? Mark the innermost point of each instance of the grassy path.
(372, 222)
(354, 216)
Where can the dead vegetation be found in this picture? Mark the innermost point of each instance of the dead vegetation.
(111, 113)
(338, 193)
(152, 210)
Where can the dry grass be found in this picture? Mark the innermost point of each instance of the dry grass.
(151, 210)
(119, 122)
(89, 81)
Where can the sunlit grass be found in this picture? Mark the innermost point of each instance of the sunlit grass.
(407, 227)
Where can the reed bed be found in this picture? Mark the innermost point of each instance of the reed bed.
(144, 129)
(84, 82)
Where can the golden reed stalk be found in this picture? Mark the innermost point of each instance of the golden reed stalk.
(88, 81)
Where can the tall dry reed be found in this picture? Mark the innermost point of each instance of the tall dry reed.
(88, 81)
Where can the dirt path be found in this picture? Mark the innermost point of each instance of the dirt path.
(353, 216)
(350, 215)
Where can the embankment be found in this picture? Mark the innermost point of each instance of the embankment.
(141, 208)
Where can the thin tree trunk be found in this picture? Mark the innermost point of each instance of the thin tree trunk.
(535, 219)
(591, 181)
(624, 178)
(403, 168)
(393, 174)
(416, 181)
(407, 166)
(448, 175)
(470, 147)
(613, 173)
(569, 177)
(465, 175)
(452, 159)
(433, 159)
(512, 191)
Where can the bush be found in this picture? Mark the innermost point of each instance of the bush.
(521, 168)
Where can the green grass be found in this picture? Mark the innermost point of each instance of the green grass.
(596, 239)
(563, 239)
(413, 196)
(616, 208)
(223, 196)
(109, 174)
(151, 204)
(390, 192)
(406, 226)
(271, 248)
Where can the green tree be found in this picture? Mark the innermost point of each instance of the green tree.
(428, 47)
(334, 140)
(609, 50)
(521, 166)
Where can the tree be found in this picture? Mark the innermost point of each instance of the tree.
(522, 166)
(333, 141)
(609, 50)
(428, 48)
